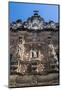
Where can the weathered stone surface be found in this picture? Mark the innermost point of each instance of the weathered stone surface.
(34, 52)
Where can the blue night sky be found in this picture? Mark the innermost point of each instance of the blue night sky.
(25, 10)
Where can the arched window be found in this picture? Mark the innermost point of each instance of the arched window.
(34, 53)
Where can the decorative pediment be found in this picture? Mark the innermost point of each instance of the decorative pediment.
(35, 22)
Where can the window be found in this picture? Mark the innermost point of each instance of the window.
(34, 53)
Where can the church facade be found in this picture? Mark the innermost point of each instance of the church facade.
(34, 46)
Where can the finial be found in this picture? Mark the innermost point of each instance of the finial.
(35, 12)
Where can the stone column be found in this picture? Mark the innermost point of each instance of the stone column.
(18, 70)
(30, 53)
(40, 55)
